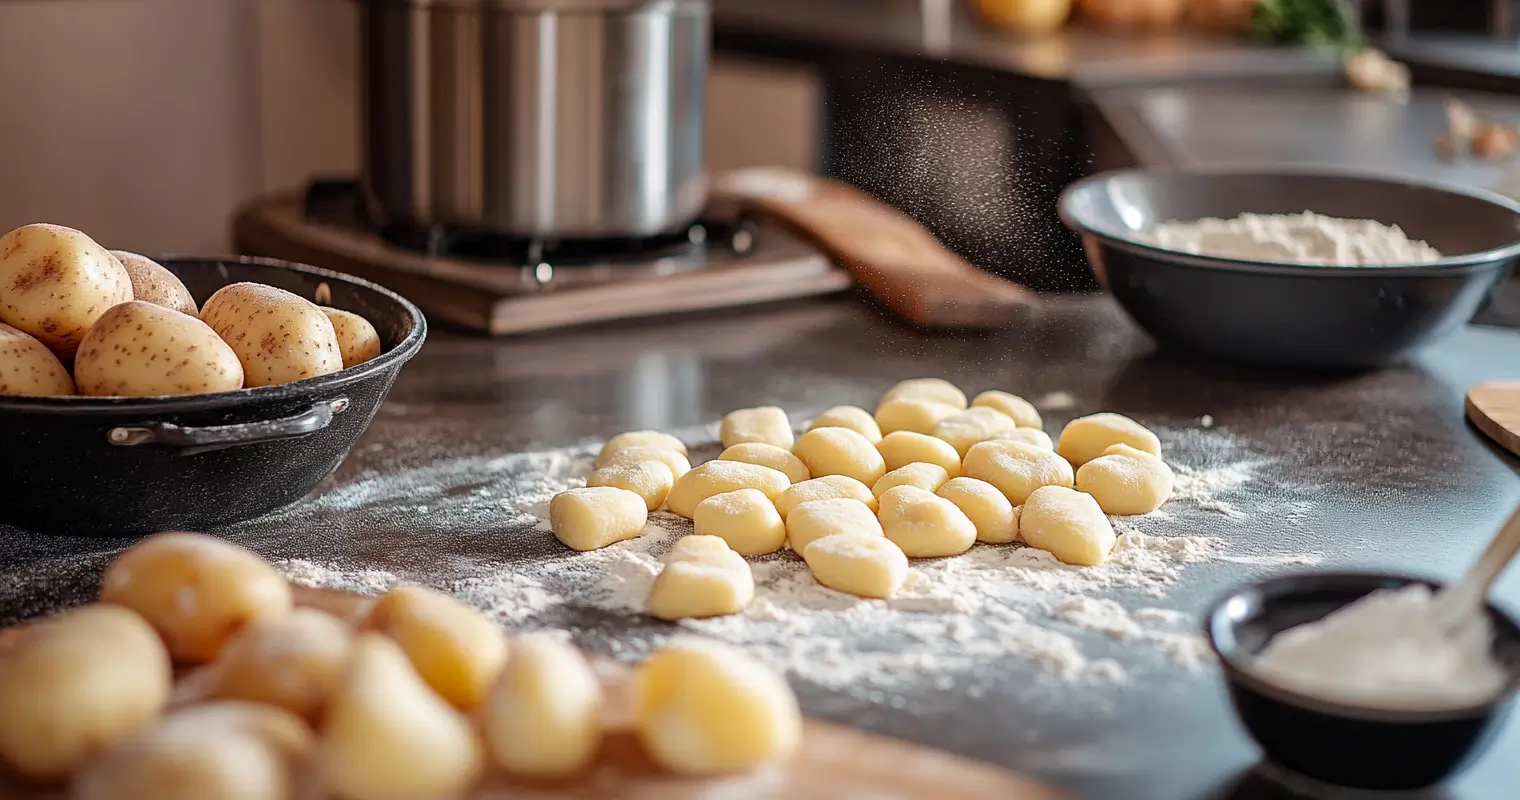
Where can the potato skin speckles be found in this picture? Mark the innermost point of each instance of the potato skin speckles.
(278, 336)
(28, 368)
(55, 282)
(357, 338)
(140, 349)
(152, 283)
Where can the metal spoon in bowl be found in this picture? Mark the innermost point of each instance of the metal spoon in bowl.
(1456, 603)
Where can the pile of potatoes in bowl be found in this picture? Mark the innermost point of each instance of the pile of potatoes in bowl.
(76, 318)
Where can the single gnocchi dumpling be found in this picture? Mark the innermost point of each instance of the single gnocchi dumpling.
(650, 480)
(819, 518)
(827, 487)
(840, 451)
(454, 647)
(973, 425)
(918, 416)
(747, 520)
(1126, 481)
(853, 417)
(1020, 410)
(768, 455)
(928, 477)
(1068, 524)
(934, 390)
(924, 524)
(996, 519)
(717, 477)
(1033, 436)
(901, 448)
(637, 454)
(702, 577)
(1015, 468)
(593, 517)
(765, 424)
(1085, 438)
(623, 441)
(541, 719)
(860, 564)
(294, 661)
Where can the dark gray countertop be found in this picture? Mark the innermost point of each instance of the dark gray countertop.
(1369, 471)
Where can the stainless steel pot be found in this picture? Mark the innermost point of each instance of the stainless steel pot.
(545, 119)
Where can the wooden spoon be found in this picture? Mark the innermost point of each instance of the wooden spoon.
(1494, 407)
(1459, 601)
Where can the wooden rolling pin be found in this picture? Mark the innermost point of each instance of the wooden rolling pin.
(1494, 408)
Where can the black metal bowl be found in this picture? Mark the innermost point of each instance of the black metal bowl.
(1339, 744)
(1284, 314)
(98, 466)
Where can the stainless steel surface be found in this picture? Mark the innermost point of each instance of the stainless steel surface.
(547, 119)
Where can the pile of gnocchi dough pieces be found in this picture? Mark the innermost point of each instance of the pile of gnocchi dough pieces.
(419, 698)
(76, 318)
(857, 495)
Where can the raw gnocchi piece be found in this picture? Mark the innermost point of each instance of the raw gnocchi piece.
(935, 390)
(816, 519)
(973, 425)
(152, 283)
(28, 368)
(55, 282)
(1085, 438)
(918, 416)
(925, 476)
(633, 455)
(1020, 410)
(279, 336)
(1068, 524)
(196, 590)
(858, 564)
(768, 455)
(705, 709)
(541, 718)
(593, 517)
(1126, 481)
(924, 524)
(764, 424)
(747, 520)
(650, 480)
(295, 661)
(840, 451)
(901, 448)
(1033, 436)
(1015, 468)
(853, 417)
(455, 648)
(387, 736)
(996, 519)
(702, 577)
(824, 488)
(624, 441)
(717, 477)
(358, 340)
(139, 349)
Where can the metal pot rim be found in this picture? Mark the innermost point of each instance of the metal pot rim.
(540, 6)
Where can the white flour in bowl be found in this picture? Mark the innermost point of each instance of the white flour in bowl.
(1306, 238)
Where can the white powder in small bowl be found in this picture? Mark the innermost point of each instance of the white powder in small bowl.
(1306, 238)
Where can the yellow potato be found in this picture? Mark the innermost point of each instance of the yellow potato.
(28, 368)
(139, 349)
(542, 718)
(152, 283)
(196, 590)
(76, 684)
(295, 661)
(357, 338)
(455, 648)
(55, 282)
(279, 336)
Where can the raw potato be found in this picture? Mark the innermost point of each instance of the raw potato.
(219, 751)
(1126, 481)
(387, 736)
(816, 519)
(196, 590)
(824, 488)
(840, 451)
(996, 519)
(702, 577)
(278, 336)
(28, 368)
(152, 283)
(75, 684)
(55, 282)
(1015, 468)
(541, 719)
(1068, 524)
(717, 477)
(650, 480)
(1033, 436)
(747, 520)
(139, 349)
(924, 524)
(593, 517)
(925, 476)
(358, 340)
(918, 416)
(973, 425)
(1085, 438)
(706, 709)
(858, 564)
(455, 648)
(766, 425)
(901, 448)
(934, 390)
(633, 455)
(295, 662)
(624, 441)
(853, 417)
(768, 455)
(1020, 410)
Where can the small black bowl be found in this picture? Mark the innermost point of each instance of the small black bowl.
(1284, 314)
(1344, 745)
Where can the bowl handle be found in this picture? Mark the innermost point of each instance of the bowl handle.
(191, 440)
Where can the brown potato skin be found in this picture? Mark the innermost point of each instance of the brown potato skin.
(55, 282)
(153, 283)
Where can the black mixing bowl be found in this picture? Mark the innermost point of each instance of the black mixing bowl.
(130, 465)
(1284, 314)
(1345, 745)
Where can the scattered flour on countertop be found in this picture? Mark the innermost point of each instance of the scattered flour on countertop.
(1306, 238)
